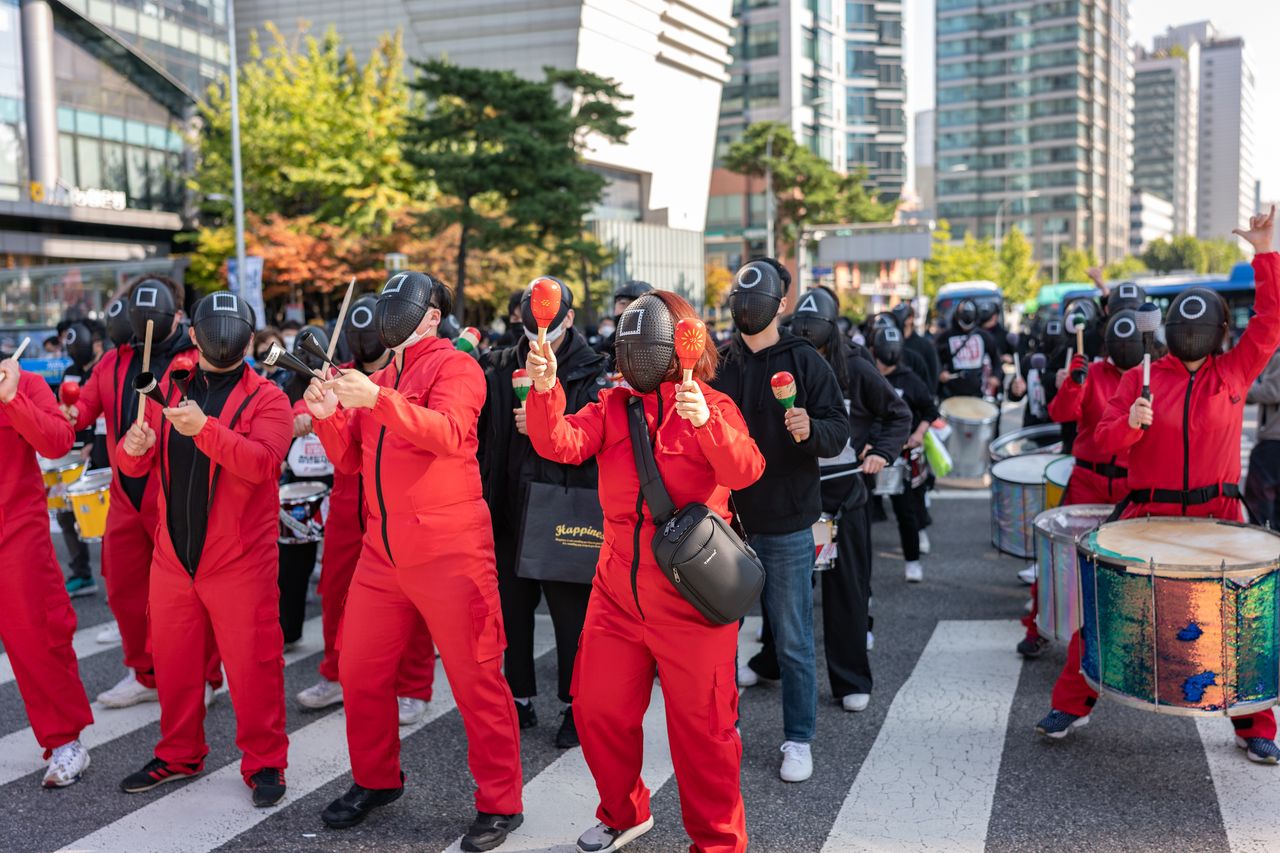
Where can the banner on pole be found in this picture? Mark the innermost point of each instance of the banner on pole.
(251, 289)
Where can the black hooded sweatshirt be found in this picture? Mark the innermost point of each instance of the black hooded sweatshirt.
(162, 353)
(787, 498)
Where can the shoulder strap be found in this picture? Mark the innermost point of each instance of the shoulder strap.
(217, 469)
(651, 485)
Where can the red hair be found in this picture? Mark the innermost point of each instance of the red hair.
(705, 369)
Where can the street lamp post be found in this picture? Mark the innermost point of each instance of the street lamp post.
(237, 181)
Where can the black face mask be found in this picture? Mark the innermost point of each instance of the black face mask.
(1196, 324)
(151, 300)
(223, 323)
(402, 303)
(646, 343)
(966, 316)
(1123, 340)
(1126, 296)
(887, 345)
(78, 343)
(757, 291)
(815, 317)
(119, 329)
(362, 337)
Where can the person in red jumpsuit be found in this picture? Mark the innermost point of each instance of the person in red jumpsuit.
(637, 624)
(129, 539)
(37, 622)
(217, 454)
(410, 430)
(343, 533)
(1187, 460)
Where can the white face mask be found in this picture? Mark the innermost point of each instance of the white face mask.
(419, 334)
(553, 335)
(288, 341)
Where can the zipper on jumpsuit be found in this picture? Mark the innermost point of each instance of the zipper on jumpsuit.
(635, 539)
(1186, 442)
(377, 477)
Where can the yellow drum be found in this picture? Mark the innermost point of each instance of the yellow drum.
(1056, 477)
(58, 474)
(90, 498)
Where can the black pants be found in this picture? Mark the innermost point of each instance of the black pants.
(909, 509)
(567, 603)
(78, 551)
(297, 562)
(1262, 486)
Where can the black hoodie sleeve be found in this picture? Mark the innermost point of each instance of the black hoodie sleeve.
(893, 416)
(828, 420)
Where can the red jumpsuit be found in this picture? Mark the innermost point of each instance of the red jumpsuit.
(638, 623)
(233, 588)
(37, 620)
(427, 553)
(129, 540)
(343, 531)
(1193, 442)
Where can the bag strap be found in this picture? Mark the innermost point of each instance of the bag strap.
(651, 485)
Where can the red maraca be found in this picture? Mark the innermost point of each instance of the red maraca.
(784, 389)
(544, 301)
(691, 343)
(69, 392)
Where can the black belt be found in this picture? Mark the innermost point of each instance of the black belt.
(1186, 498)
(1104, 469)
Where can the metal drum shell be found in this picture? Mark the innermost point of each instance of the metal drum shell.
(973, 426)
(1041, 438)
(311, 495)
(1015, 503)
(58, 474)
(892, 479)
(90, 499)
(1056, 479)
(1057, 572)
(1154, 634)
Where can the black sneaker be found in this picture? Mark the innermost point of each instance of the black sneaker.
(567, 737)
(157, 772)
(1032, 648)
(268, 787)
(528, 716)
(1059, 724)
(488, 831)
(354, 806)
(1259, 749)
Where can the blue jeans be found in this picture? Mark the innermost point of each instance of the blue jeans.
(788, 602)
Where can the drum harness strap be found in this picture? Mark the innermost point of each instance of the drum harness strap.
(1187, 497)
(1110, 470)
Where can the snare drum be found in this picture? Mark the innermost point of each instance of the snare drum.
(58, 474)
(1017, 497)
(90, 499)
(1058, 586)
(973, 425)
(824, 541)
(892, 479)
(1056, 477)
(1180, 615)
(1041, 438)
(303, 507)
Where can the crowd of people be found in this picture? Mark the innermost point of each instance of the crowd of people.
(436, 456)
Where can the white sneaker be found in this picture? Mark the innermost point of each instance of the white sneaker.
(1028, 575)
(126, 693)
(914, 572)
(797, 762)
(747, 676)
(66, 765)
(605, 839)
(871, 641)
(925, 545)
(322, 694)
(411, 710)
(210, 695)
(856, 702)
(109, 635)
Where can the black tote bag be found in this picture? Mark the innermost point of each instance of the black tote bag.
(562, 534)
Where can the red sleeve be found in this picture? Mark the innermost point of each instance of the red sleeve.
(254, 457)
(89, 406)
(1261, 337)
(1066, 405)
(138, 466)
(724, 440)
(442, 422)
(34, 413)
(1113, 433)
(571, 440)
(340, 435)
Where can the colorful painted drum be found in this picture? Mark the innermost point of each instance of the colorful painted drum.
(1181, 615)
(1041, 438)
(58, 474)
(1017, 497)
(90, 500)
(973, 425)
(1056, 477)
(303, 508)
(1058, 587)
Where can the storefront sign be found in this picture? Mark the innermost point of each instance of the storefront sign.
(93, 197)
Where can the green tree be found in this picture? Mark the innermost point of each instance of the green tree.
(1074, 264)
(1221, 255)
(1019, 273)
(507, 154)
(1126, 267)
(970, 260)
(319, 135)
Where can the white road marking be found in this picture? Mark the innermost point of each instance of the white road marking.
(1247, 797)
(929, 781)
(84, 642)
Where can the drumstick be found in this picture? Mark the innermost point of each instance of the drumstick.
(146, 368)
(1146, 379)
(342, 316)
(17, 354)
(1079, 337)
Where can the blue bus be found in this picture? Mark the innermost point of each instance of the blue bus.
(1236, 287)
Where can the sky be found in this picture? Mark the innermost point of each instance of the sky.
(1148, 18)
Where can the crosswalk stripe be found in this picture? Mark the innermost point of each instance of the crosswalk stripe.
(19, 754)
(929, 780)
(1247, 798)
(83, 641)
(209, 812)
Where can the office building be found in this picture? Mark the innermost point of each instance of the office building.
(1151, 218)
(1225, 190)
(1033, 127)
(670, 56)
(1166, 109)
(923, 148)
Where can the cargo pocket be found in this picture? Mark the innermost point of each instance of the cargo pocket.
(486, 627)
(724, 701)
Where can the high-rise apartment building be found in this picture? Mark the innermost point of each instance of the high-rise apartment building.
(1033, 128)
(1166, 109)
(924, 148)
(831, 70)
(1225, 192)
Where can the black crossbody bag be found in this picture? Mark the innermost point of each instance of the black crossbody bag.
(705, 560)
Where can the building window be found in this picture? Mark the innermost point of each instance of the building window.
(859, 16)
(756, 41)
(860, 61)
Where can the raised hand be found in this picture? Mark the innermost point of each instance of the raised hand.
(541, 366)
(692, 405)
(1261, 231)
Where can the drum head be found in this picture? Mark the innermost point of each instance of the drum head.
(1068, 522)
(302, 491)
(92, 481)
(1027, 470)
(1185, 546)
(968, 409)
(1059, 470)
(62, 463)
